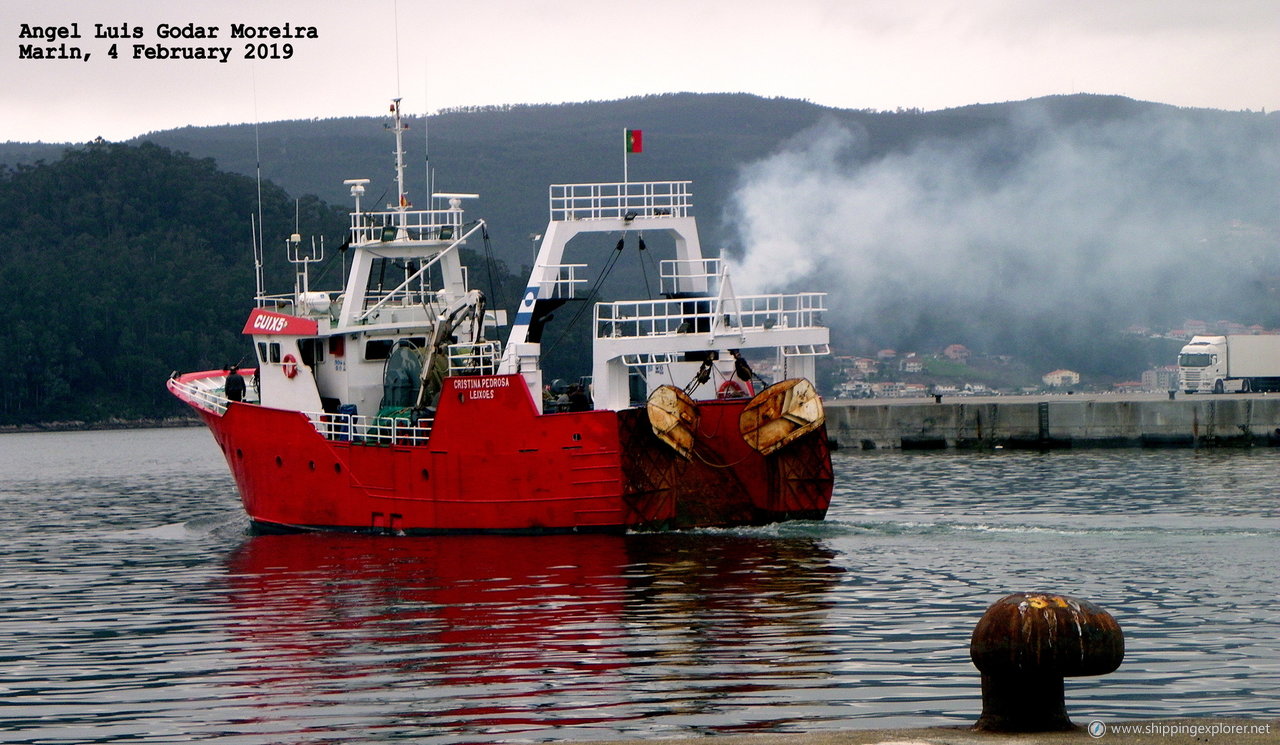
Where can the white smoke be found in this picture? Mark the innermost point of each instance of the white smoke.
(1133, 220)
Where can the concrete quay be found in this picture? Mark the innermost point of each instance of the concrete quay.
(1057, 421)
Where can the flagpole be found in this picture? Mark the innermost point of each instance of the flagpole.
(624, 155)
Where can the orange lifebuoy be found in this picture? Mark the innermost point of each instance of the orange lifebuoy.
(290, 366)
(731, 388)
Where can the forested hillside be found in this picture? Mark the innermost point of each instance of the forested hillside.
(119, 264)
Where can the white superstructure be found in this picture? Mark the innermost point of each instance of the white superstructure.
(698, 319)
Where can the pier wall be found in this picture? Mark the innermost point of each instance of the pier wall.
(1202, 421)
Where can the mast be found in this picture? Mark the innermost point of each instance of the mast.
(398, 126)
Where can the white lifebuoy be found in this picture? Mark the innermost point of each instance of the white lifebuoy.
(290, 366)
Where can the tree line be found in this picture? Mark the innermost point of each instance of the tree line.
(123, 263)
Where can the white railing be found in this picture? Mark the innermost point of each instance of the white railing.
(625, 200)
(316, 305)
(676, 274)
(382, 430)
(407, 298)
(480, 358)
(801, 310)
(281, 301)
(422, 225)
(208, 394)
(806, 350)
(561, 280)
(635, 318)
(648, 360)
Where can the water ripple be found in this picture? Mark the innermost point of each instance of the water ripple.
(137, 607)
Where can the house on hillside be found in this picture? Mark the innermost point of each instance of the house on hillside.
(854, 389)
(1193, 327)
(1061, 378)
(957, 353)
(890, 389)
(866, 365)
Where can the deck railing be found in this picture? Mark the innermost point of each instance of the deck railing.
(383, 430)
(209, 394)
(624, 200)
(419, 225)
(561, 280)
(676, 275)
(637, 318)
(476, 358)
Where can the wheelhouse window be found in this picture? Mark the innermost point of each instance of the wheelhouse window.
(378, 349)
(312, 351)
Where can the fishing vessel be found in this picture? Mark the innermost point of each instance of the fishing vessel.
(390, 405)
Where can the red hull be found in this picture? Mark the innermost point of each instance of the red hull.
(494, 464)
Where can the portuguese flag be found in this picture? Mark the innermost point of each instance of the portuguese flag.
(635, 141)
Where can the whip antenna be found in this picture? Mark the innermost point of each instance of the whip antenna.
(257, 158)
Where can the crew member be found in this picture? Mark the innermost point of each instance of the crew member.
(578, 399)
(235, 384)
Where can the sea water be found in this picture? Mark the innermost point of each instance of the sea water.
(135, 606)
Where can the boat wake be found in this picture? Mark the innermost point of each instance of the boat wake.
(189, 530)
(834, 528)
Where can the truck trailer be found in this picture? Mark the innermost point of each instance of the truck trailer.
(1230, 364)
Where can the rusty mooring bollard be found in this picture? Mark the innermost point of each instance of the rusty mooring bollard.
(1025, 644)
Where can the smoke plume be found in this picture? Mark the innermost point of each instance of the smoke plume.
(1026, 227)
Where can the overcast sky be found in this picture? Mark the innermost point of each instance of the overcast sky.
(878, 54)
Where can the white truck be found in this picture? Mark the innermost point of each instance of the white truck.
(1224, 364)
